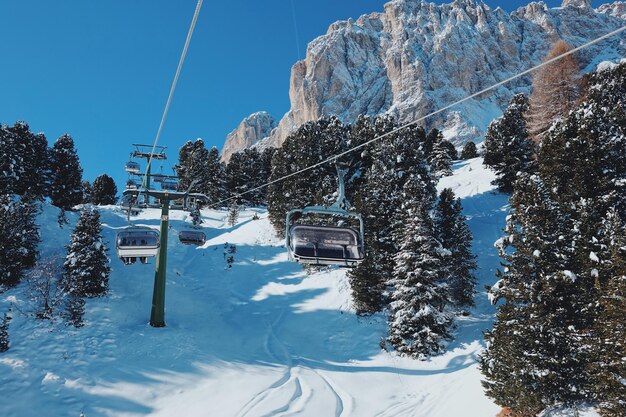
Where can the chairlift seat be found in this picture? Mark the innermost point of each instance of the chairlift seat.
(192, 237)
(137, 242)
(132, 166)
(325, 245)
(169, 185)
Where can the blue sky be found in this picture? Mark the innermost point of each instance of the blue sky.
(101, 70)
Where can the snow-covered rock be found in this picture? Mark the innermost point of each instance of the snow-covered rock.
(416, 57)
(250, 131)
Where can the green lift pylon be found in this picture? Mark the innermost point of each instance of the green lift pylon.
(157, 315)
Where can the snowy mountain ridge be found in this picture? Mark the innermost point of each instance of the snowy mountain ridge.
(415, 57)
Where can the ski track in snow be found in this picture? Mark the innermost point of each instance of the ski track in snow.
(262, 338)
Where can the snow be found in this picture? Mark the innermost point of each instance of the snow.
(260, 338)
(570, 275)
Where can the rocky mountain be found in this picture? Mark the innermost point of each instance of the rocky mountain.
(251, 130)
(415, 57)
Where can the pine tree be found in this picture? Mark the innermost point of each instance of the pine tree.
(86, 265)
(34, 162)
(75, 310)
(10, 161)
(469, 151)
(419, 322)
(534, 359)
(87, 191)
(508, 148)
(20, 237)
(215, 188)
(609, 344)
(311, 143)
(104, 190)
(66, 189)
(556, 90)
(441, 158)
(4, 334)
(233, 213)
(380, 200)
(454, 234)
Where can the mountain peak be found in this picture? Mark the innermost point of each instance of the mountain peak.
(577, 3)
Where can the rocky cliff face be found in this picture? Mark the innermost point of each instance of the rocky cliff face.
(416, 57)
(250, 131)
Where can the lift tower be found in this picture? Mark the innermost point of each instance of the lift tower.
(157, 314)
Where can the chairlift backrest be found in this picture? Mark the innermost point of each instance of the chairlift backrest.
(132, 166)
(192, 237)
(167, 184)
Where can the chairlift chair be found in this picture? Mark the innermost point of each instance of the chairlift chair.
(137, 242)
(131, 184)
(317, 244)
(168, 184)
(132, 167)
(192, 237)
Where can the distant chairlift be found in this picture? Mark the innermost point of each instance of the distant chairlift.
(137, 242)
(132, 167)
(132, 184)
(192, 237)
(169, 184)
(317, 244)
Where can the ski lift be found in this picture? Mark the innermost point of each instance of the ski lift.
(157, 177)
(192, 237)
(169, 184)
(132, 167)
(137, 242)
(316, 244)
(132, 184)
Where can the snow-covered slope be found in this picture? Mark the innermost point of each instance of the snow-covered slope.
(259, 339)
(416, 57)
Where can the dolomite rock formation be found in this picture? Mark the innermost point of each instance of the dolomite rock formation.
(416, 57)
(250, 131)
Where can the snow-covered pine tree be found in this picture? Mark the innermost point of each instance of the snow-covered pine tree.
(455, 236)
(66, 189)
(20, 237)
(75, 310)
(87, 265)
(87, 190)
(10, 161)
(429, 141)
(33, 169)
(103, 191)
(215, 188)
(311, 143)
(441, 158)
(183, 166)
(508, 148)
(608, 367)
(534, 356)
(233, 213)
(4, 334)
(380, 200)
(266, 171)
(419, 321)
(469, 151)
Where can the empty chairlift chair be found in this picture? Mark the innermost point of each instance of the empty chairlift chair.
(132, 167)
(192, 237)
(325, 245)
(137, 242)
(319, 244)
(169, 185)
